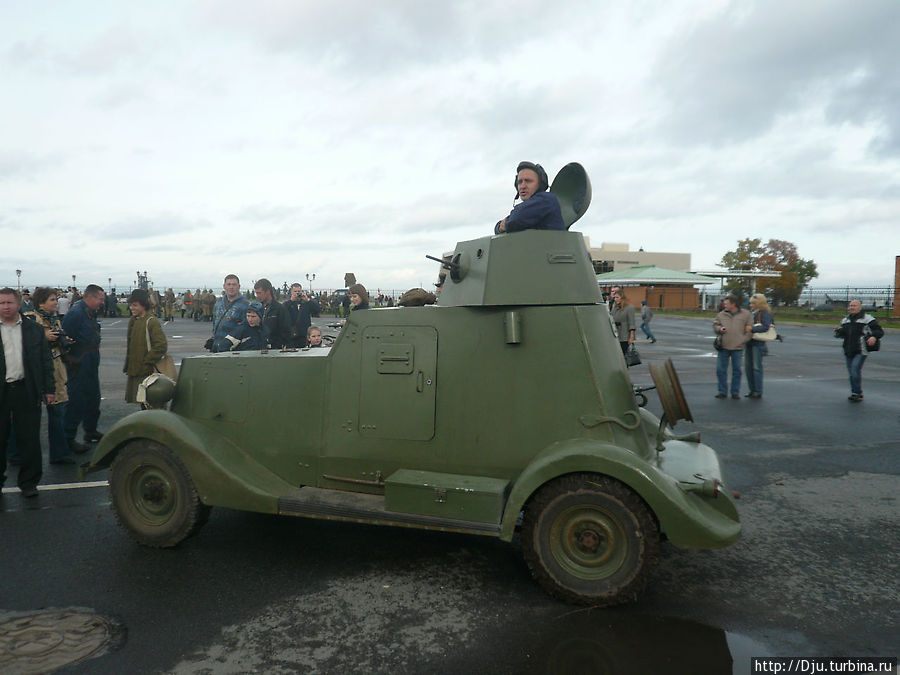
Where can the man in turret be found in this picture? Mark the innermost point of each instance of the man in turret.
(539, 208)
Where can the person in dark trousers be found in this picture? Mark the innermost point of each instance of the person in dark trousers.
(756, 350)
(623, 317)
(301, 310)
(862, 336)
(26, 379)
(83, 366)
(45, 316)
(733, 325)
(646, 317)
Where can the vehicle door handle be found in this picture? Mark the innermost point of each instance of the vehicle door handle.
(420, 382)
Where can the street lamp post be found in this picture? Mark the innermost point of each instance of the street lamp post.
(310, 279)
(73, 281)
(18, 280)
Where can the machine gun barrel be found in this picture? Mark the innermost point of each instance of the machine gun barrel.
(449, 264)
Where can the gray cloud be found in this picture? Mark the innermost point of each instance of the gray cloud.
(735, 74)
(20, 164)
(138, 228)
(103, 54)
(268, 213)
(360, 35)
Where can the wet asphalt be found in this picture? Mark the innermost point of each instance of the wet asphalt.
(814, 574)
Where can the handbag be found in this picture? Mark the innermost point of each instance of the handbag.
(866, 334)
(632, 358)
(166, 365)
(717, 343)
(768, 336)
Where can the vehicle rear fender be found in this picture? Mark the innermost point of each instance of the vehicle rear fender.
(223, 474)
(687, 519)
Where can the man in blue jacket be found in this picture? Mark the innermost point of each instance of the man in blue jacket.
(539, 209)
(228, 314)
(83, 368)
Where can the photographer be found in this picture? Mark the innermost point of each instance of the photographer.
(300, 310)
(44, 314)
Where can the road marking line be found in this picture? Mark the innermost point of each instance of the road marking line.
(63, 486)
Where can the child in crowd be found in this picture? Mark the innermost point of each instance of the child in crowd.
(249, 335)
(314, 336)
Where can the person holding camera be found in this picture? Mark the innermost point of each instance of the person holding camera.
(861, 335)
(539, 209)
(44, 314)
(300, 310)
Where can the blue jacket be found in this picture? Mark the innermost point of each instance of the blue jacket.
(227, 316)
(80, 325)
(250, 338)
(539, 212)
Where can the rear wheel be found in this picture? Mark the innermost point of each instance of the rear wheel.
(153, 495)
(590, 539)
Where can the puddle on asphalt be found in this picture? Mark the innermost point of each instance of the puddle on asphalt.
(610, 642)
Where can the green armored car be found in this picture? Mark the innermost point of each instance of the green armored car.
(505, 409)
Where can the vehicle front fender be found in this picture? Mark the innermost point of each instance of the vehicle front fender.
(689, 519)
(223, 474)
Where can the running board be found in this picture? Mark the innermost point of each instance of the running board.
(356, 507)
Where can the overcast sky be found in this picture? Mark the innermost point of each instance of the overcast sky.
(281, 138)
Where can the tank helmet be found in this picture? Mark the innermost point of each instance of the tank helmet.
(158, 390)
(543, 181)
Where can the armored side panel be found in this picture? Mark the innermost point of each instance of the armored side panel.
(534, 267)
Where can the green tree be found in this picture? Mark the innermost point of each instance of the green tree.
(776, 255)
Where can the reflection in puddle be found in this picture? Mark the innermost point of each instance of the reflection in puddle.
(614, 643)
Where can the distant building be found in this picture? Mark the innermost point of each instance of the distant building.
(659, 287)
(612, 257)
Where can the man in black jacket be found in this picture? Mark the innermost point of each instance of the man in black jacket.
(274, 317)
(301, 309)
(861, 335)
(26, 377)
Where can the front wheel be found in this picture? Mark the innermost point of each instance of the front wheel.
(153, 495)
(589, 539)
